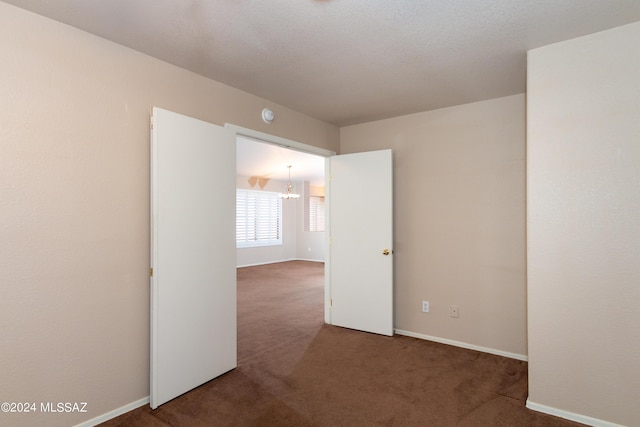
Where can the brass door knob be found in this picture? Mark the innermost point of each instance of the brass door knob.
(386, 252)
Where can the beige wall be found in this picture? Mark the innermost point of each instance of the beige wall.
(583, 171)
(74, 214)
(310, 244)
(459, 220)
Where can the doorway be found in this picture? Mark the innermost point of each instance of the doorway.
(292, 147)
(192, 158)
(280, 284)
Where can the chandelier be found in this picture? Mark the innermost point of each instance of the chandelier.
(289, 194)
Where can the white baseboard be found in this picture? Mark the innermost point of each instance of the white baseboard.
(279, 261)
(310, 260)
(517, 356)
(262, 263)
(116, 412)
(569, 415)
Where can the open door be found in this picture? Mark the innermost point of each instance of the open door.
(193, 277)
(361, 241)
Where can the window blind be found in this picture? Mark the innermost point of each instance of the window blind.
(258, 218)
(316, 213)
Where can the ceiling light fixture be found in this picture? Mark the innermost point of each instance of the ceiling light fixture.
(289, 194)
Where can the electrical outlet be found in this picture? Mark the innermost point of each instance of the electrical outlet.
(425, 306)
(454, 312)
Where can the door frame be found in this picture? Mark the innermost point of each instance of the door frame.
(305, 148)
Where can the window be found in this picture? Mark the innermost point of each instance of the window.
(258, 218)
(316, 213)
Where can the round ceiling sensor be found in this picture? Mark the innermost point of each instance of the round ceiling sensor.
(267, 115)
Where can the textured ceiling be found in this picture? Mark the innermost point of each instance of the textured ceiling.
(347, 61)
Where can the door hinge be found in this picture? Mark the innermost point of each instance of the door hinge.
(331, 302)
(150, 271)
(151, 122)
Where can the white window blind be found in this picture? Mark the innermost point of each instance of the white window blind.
(258, 218)
(316, 213)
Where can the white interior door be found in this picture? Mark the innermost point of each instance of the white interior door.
(193, 284)
(361, 241)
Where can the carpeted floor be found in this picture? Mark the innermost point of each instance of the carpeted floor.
(295, 371)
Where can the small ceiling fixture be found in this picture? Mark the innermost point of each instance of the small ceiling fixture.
(267, 115)
(289, 194)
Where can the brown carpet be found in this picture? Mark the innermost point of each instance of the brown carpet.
(295, 371)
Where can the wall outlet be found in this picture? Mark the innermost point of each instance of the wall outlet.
(425, 306)
(454, 312)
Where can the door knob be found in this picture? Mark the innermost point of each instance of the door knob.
(386, 252)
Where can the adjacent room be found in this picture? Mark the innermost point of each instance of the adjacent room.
(497, 143)
(296, 229)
